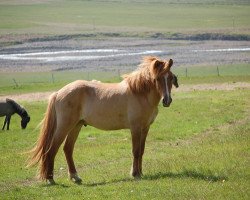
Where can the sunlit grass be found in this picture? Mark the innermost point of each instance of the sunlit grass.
(200, 142)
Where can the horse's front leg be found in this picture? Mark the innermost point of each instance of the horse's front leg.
(136, 150)
(8, 122)
(143, 140)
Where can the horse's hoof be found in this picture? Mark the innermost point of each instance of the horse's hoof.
(50, 181)
(136, 176)
(75, 178)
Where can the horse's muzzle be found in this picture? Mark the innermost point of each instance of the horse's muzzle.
(166, 101)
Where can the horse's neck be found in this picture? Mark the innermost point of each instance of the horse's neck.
(154, 97)
(19, 112)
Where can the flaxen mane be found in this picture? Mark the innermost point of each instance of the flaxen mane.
(143, 79)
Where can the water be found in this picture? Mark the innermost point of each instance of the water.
(87, 54)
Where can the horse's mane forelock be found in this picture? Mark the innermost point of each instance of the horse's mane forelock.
(19, 110)
(141, 80)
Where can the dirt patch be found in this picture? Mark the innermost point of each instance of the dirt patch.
(218, 86)
(85, 53)
(36, 96)
(43, 96)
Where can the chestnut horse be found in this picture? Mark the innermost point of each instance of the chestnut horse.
(130, 104)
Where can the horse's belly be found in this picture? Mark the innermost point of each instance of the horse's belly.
(106, 119)
(106, 113)
(107, 123)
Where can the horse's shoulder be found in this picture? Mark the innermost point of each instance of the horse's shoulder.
(11, 102)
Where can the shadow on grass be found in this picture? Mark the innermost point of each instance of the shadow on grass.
(181, 175)
(186, 174)
(109, 182)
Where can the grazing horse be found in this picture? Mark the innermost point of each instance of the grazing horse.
(131, 104)
(10, 107)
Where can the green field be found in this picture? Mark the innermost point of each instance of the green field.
(23, 82)
(196, 149)
(125, 18)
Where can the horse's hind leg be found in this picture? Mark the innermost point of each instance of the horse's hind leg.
(5, 121)
(60, 135)
(65, 125)
(68, 150)
(143, 140)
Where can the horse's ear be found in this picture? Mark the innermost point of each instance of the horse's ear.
(157, 68)
(170, 63)
(158, 64)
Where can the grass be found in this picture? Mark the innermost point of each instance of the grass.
(128, 17)
(24, 82)
(197, 149)
(221, 70)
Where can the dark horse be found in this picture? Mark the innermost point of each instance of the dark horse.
(10, 107)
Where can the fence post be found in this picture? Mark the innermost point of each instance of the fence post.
(119, 74)
(186, 72)
(218, 71)
(52, 76)
(15, 82)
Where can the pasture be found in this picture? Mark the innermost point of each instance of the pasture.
(196, 149)
(32, 19)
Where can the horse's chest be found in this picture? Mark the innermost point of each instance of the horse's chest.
(153, 116)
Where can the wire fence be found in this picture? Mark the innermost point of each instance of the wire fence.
(18, 79)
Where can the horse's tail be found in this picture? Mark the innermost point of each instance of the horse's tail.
(39, 154)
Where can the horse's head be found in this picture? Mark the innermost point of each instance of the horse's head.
(25, 119)
(164, 79)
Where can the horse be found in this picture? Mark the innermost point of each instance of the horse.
(130, 104)
(9, 107)
(175, 81)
